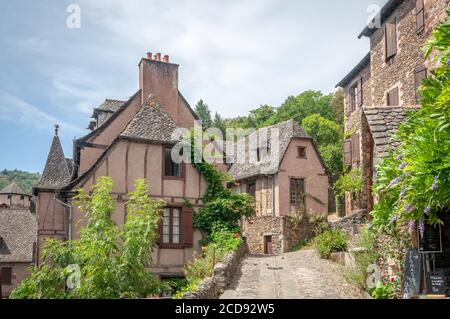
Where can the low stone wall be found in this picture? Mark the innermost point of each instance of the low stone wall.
(256, 228)
(351, 224)
(213, 287)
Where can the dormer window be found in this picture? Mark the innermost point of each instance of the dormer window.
(261, 152)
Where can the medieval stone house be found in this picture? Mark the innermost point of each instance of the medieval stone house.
(383, 86)
(129, 140)
(286, 187)
(17, 237)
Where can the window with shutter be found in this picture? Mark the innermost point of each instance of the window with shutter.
(348, 152)
(420, 16)
(393, 98)
(355, 148)
(391, 38)
(170, 227)
(297, 193)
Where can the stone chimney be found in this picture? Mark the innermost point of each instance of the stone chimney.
(160, 78)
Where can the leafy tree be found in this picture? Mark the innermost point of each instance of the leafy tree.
(328, 137)
(301, 106)
(113, 261)
(219, 123)
(324, 131)
(259, 116)
(203, 112)
(337, 105)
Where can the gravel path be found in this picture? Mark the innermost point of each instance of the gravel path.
(297, 275)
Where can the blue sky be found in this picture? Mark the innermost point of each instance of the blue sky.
(235, 55)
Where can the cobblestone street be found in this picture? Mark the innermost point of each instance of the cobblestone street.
(297, 275)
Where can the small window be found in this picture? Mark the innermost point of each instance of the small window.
(6, 276)
(9, 196)
(251, 189)
(420, 16)
(22, 197)
(301, 152)
(171, 169)
(391, 38)
(297, 194)
(393, 98)
(171, 227)
(353, 98)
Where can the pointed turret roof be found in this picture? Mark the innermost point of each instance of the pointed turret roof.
(57, 172)
(13, 188)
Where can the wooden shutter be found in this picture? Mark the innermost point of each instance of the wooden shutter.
(355, 148)
(391, 38)
(360, 92)
(420, 16)
(420, 74)
(347, 103)
(187, 231)
(393, 98)
(348, 152)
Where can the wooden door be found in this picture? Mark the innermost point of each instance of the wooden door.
(268, 245)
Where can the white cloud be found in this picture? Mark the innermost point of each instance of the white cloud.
(14, 109)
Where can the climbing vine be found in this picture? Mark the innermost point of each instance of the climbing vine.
(222, 208)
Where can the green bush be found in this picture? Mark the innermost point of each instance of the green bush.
(384, 291)
(330, 241)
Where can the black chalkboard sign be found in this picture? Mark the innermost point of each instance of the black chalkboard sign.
(431, 241)
(436, 283)
(412, 276)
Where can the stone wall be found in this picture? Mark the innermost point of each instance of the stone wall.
(256, 228)
(351, 224)
(286, 232)
(213, 287)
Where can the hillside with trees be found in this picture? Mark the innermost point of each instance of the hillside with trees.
(25, 180)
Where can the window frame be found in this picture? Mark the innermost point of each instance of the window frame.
(303, 149)
(182, 166)
(6, 281)
(171, 244)
(291, 195)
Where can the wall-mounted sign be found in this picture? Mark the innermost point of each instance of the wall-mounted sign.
(431, 241)
(412, 276)
(436, 283)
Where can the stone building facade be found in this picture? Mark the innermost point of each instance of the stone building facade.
(18, 229)
(288, 188)
(383, 86)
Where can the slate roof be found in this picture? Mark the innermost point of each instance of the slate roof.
(287, 131)
(105, 111)
(57, 171)
(383, 123)
(356, 70)
(13, 188)
(151, 123)
(18, 229)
